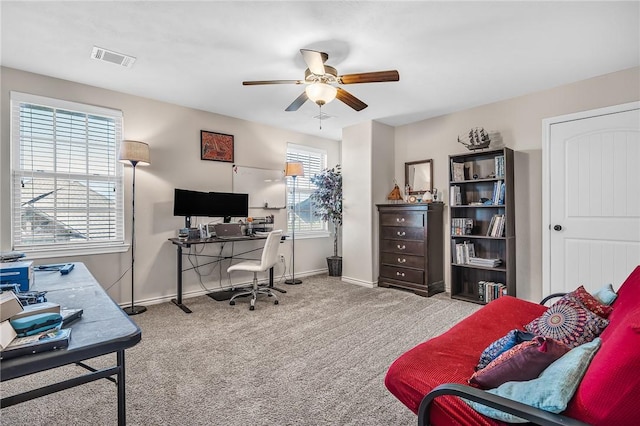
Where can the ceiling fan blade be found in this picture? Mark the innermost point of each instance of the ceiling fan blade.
(298, 102)
(315, 60)
(257, 82)
(370, 77)
(350, 100)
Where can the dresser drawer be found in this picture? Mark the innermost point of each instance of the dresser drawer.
(402, 219)
(402, 260)
(402, 247)
(402, 233)
(402, 274)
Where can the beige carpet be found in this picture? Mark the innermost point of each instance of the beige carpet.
(317, 358)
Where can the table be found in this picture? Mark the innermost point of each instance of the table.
(104, 328)
(181, 243)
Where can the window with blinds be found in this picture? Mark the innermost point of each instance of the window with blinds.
(313, 160)
(66, 180)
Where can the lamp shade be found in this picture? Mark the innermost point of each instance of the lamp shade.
(321, 93)
(294, 168)
(134, 152)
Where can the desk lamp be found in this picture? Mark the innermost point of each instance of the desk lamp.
(293, 169)
(134, 153)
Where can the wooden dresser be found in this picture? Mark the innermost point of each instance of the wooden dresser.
(412, 247)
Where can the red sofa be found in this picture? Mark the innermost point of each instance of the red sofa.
(429, 378)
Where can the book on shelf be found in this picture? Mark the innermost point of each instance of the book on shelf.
(455, 197)
(497, 197)
(499, 166)
(489, 290)
(464, 252)
(496, 226)
(481, 261)
(457, 172)
(461, 226)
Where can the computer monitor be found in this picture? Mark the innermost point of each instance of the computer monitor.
(211, 204)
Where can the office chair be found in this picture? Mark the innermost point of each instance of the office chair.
(268, 259)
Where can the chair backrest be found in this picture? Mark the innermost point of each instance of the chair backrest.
(270, 250)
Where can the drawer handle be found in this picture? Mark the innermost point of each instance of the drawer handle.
(403, 260)
(401, 247)
(400, 219)
(401, 234)
(400, 274)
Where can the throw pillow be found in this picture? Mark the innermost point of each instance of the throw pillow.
(569, 322)
(590, 302)
(512, 338)
(552, 391)
(606, 295)
(522, 362)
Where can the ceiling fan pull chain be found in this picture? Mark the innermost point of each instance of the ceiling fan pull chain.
(320, 116)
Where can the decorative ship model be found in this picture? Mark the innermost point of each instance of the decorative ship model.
(477, 138)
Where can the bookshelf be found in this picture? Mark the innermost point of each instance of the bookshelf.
(482, 225)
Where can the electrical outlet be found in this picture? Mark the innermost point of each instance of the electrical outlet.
(282, 258)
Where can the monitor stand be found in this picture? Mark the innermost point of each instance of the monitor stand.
(187, 222)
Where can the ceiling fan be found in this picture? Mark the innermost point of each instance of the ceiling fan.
(323, 80)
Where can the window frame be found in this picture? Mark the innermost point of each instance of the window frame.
(292, 148)
(17, 173)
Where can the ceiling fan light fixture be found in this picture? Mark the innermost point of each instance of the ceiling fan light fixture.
(321, 93)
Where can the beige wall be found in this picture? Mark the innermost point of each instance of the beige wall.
(367, 155)
(173, 133)
(519, 120)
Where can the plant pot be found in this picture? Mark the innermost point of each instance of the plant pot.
(334, 263)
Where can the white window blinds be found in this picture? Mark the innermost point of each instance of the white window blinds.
(66, 181)
(313, 160)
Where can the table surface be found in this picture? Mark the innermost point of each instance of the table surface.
(103, 328)
(185, 242)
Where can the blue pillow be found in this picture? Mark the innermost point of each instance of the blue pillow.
(551, 391)
(503, 344)
(606, 295)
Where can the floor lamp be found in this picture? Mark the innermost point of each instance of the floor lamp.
(134, 153)
(294, 169)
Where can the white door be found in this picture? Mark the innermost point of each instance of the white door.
(592, 217)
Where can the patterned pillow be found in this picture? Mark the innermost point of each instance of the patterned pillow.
(590, 302)
(512, 338)
(551, 391)
(522, 362)
(569, 322)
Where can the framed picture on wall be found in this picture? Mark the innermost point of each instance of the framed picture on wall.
(216, 146)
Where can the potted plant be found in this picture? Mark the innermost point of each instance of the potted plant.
(327, 201)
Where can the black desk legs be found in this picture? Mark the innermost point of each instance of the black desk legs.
(122, 405)
(178, 300)
(271, 282)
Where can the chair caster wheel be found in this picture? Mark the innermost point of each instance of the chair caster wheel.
(233, 302)
(276, 302)
(251, 308)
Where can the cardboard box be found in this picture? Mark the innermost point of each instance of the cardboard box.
(20, 273)
(9, 305)
(37, 308)
(7, 334)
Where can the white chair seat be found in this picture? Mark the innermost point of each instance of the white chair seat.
(247, 265)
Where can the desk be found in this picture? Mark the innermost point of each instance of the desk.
(182, 243)
(104, 328)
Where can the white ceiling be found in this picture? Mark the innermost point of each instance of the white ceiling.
(450, 55)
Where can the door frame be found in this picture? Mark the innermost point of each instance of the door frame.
(546, 184)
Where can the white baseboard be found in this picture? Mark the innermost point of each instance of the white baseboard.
(362, 283)
(277, 280)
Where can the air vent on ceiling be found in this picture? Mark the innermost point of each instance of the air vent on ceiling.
(112, 57)
(322, 116)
